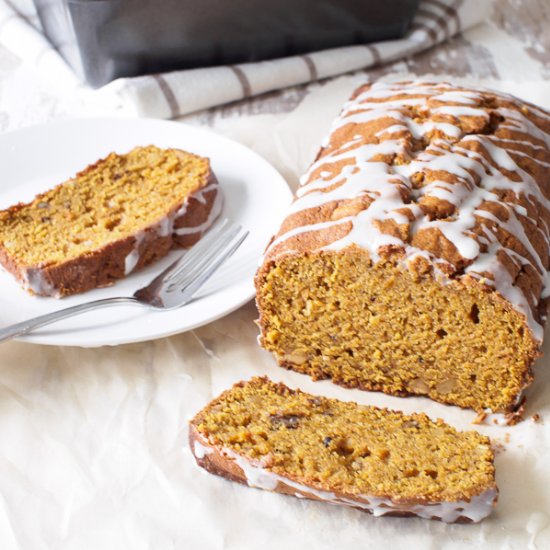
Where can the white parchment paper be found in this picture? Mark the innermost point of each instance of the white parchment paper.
(93, 442)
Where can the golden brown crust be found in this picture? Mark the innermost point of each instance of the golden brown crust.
(527, 149)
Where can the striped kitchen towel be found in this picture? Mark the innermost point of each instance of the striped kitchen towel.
(174, 94)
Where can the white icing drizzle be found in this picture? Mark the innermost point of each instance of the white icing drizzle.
(518, 121)
(518, 142)
(538, 161)
(460, 110)
(458, 96)
(200, 450)
(132, 258)
(475, 509)
(389, 188)
(215, 211)
(197, 195)
(34, 280)
(165, 226)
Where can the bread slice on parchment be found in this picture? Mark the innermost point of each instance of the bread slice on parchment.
(269, 436)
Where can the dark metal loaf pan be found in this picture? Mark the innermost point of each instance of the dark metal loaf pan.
(106, 39)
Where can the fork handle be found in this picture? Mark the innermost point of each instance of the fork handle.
(19, 329)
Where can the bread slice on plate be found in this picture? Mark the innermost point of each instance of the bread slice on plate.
(266, 435)
(114, 217)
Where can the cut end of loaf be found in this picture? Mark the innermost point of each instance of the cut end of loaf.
(269, 436)
(387, 329)
(418, 173)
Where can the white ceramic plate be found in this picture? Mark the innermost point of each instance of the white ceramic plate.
(256, 196)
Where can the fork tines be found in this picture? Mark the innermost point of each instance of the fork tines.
(205, 257)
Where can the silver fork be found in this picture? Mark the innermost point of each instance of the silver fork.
(173, 288)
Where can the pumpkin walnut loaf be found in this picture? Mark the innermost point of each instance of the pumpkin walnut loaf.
(268, 436)
(116, 216)
(415, 257)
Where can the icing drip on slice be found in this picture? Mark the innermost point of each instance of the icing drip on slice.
(200, 450)
(132, 259)
(165, 227)
(257, 475)
(215, 211)
(35, 281)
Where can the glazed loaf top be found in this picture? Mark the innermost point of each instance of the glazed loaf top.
(440, 179)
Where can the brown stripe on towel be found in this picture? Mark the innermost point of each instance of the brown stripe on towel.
(313, 75)
(243, 79)
(450, 10)
(168, 95)
(376, 57)
(432, 33)
(444, 19)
